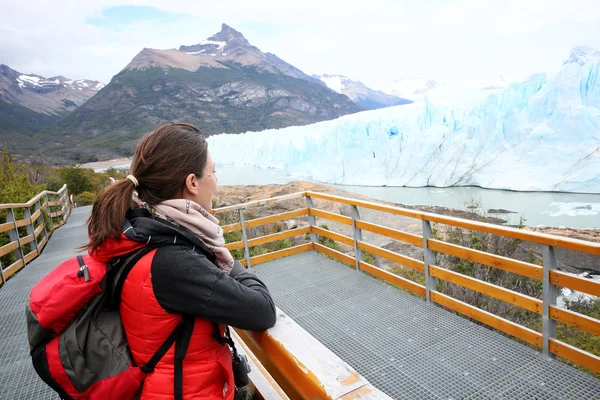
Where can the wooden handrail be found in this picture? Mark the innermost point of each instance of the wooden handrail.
(304, 367)
(393, 278)
(392, 256)
(332, 235)
(541, 238)
(31, 202)
(330, 216)
(576, 355)
(529, 270)
(406, 237)
(498, 292)
(514, 329)
(492, 260)
(257, 203)
(41, 203)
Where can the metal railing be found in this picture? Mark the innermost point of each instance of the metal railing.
(548, 274)
(30, 217)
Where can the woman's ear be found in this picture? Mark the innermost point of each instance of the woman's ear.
(191, 185)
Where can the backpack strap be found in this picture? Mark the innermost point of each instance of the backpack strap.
(181, 346)
(162, 350)
(120, 269)
(181, 337)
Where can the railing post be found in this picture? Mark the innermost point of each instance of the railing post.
(63, 204)
(38, 207)
(549, 299)
(31, 229)
(53, 196)
(357, 233)
(429, 259)
(13, 234)
(49, 210)
(245, 238)
(312, 221)
(2, 273)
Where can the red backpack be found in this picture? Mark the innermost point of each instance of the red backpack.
(78, 344)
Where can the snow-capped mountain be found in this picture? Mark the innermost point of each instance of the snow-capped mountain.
(542, 134)
(412, 87)
(582, 55)
(50, 96)
(359, 93)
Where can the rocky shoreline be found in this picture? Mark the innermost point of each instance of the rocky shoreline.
(229, 195)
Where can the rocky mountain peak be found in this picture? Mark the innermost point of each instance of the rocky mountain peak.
(227, 41)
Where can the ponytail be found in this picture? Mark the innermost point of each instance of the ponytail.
(108, 213)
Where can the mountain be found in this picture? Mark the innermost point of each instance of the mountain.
(359, 93)
(542, 134)
(411, 87)
(582, 55)
(50, 96)
(29, 103)
(222, 84)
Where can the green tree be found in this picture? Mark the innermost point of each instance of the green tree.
(78, 180)
(15, 185)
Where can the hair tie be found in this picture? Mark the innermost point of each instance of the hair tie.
(134, 180)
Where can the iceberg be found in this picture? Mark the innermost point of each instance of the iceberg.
(539, 135)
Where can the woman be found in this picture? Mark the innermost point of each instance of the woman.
(189, 274)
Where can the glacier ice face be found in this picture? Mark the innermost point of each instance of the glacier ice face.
(541, 135)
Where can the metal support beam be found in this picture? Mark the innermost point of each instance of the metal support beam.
(36, 207)
(31, 229)
(549, 299)
(2, 272)
(429, 259)
(357, 233)
(245, 238)
(49, 209)
(13, 234)
(312, 221)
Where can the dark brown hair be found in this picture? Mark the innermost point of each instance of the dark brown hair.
(162, 161)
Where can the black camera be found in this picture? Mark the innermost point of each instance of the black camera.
(241, 368)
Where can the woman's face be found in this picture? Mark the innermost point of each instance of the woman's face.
(201, 190)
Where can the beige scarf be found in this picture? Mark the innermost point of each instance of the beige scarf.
(204, 225)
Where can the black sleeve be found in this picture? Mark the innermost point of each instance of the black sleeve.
(186, 282)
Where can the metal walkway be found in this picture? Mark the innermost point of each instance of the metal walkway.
(408, 348)
(17, 377)
(405, 347)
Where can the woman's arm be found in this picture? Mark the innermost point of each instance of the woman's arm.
(186, 282)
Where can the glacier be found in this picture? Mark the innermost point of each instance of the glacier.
(539, 135)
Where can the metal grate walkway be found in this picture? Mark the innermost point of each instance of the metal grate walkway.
(17, 377)
(403, 346)
(408, 348)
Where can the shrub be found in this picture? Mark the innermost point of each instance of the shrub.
(84, 198)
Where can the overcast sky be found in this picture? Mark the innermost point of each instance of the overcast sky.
(375, 41)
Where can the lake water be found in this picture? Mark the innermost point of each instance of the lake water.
(553, 209)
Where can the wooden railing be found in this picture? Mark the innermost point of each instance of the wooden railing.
(547, 274)
(27, 227)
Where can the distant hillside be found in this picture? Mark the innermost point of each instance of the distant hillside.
(222, 84)
(361, 94)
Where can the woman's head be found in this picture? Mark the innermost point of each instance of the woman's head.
(170, 163)
(173, 162)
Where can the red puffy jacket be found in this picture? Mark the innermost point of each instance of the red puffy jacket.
(177, 280)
